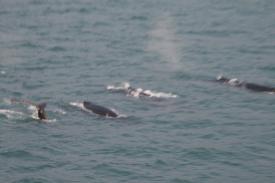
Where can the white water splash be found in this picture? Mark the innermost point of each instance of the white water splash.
(32, 108)
(160, 94)
(11, 114)
(164, 41)
(138, 92)
(122, 86)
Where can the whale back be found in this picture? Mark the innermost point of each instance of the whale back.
(100, 110)
(259, 88)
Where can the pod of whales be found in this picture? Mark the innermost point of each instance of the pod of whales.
(106, 112)
(242, 84)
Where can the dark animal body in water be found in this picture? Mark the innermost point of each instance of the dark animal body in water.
(258, 88)
(100, 110)
(246, 85)
(41, 111)
(40, 107)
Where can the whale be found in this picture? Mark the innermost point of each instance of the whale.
(41, 113)
(247, 85)
(258, 88)
(100, 110)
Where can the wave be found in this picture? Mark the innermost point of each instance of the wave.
(138, 92)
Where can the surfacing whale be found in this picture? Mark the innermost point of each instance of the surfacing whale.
(41, 111)
(41, 114)
(100, 110)
(250, 86)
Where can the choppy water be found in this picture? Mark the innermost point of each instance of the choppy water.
(66, 51)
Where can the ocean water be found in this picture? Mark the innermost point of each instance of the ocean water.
(66, 51)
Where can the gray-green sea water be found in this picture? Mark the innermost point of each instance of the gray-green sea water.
(67, 51)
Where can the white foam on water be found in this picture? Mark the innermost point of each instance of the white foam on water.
(32, 108)
(138, 92)
(160, 94)
(122, 86)
(122, 115)
(11, 114)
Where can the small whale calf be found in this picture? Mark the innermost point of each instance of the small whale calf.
(100, 110)
(250, 86)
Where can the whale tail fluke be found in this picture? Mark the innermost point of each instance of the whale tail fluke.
(40, 107)
(41, 110)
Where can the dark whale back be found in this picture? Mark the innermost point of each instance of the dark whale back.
(100, 110)
(259, 88)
